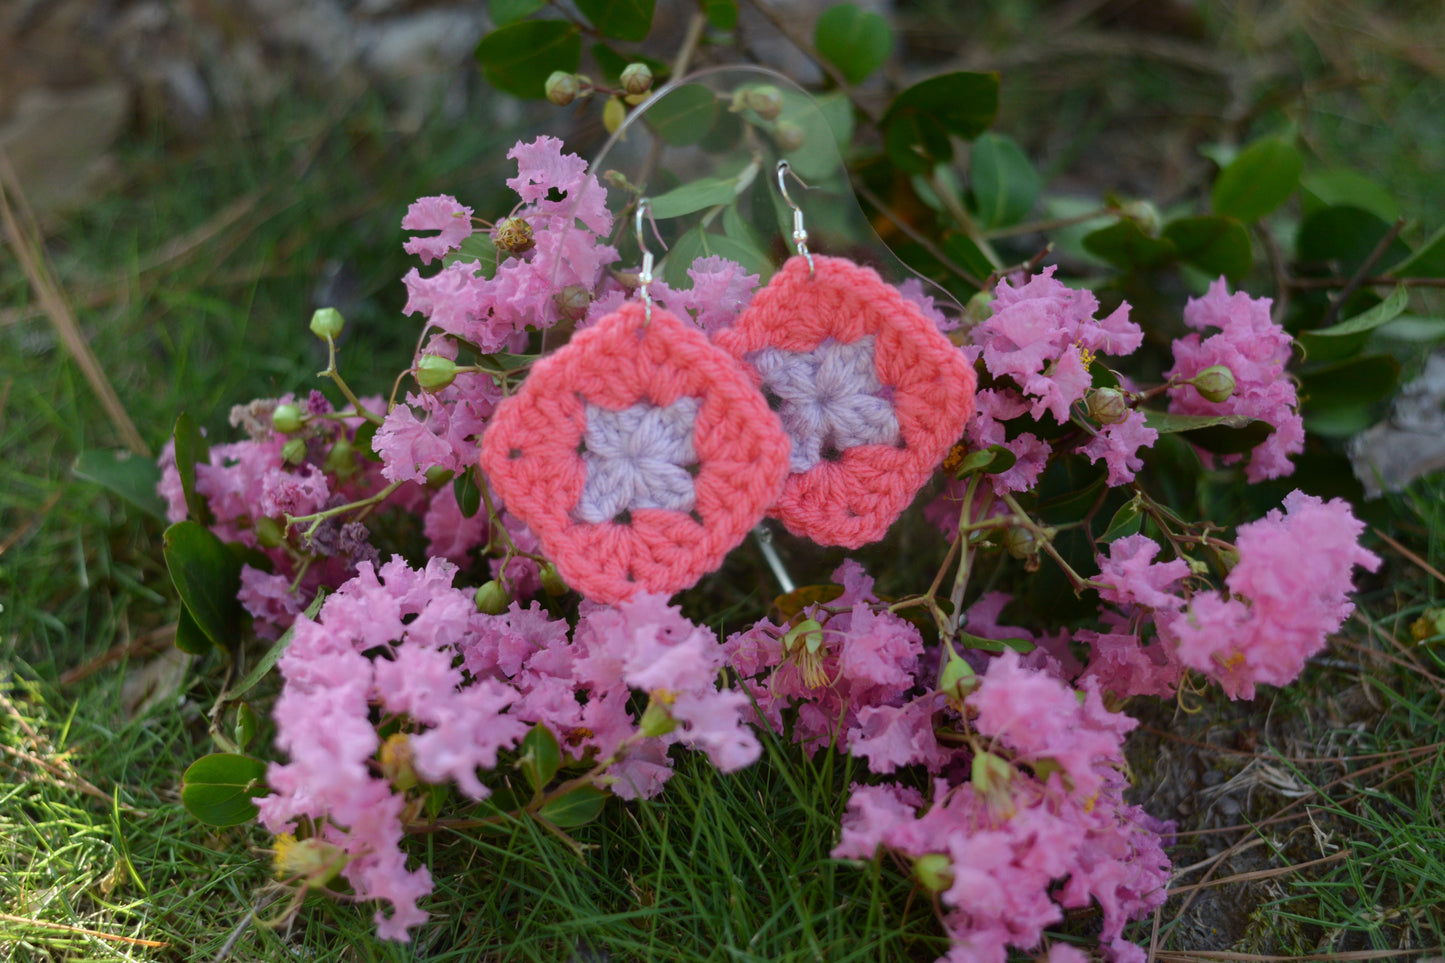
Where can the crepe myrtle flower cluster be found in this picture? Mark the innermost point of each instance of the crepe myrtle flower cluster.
(418, 675)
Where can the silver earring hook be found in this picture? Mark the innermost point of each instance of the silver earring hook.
(800, 233)
(644, 276)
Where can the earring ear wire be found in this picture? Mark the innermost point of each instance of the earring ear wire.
(800, 233)
(644, 276)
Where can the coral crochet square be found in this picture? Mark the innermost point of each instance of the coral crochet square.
(870, 393)
(639, 454)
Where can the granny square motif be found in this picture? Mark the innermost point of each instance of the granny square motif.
(639, 454)
(871, 394)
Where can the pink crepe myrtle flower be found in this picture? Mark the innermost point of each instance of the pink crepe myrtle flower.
(1288, 592)
(1001, 871)
(1043, 335)
(1256, 351)
(444, 214)
(566, 209)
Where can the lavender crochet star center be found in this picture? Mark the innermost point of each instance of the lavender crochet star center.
(638, 458)
(828, 399)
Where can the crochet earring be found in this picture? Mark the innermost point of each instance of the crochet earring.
(639, 453)
(871, 394)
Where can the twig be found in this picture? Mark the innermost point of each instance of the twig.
(1376, 281)
(916, 236)
(153, 641)
(1362, 273)
(1260, 873)
(65, 928)
(32, 261)
(1429, 569)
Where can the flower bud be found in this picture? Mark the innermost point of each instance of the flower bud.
(314, 861)
(957, 679)
(788, 136)
(980, 307)
(1145, 214)
(286, 419)
(433, 372)
(270, 532)
(552, 582)
(637, 78)
(326, 323)
(613, 114)
(573, 301)
(562, 87)
(991, 775)
(1107, 406)
(341, 459)
(437, 476)
(1020, 542)
(934, 872)
(656, 720)
(513, 235)
(765, 101)
(397, 761)
(492, 598)
(1215, 383)
(294, 451)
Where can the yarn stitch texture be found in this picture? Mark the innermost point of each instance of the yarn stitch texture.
(639, 454)
(832, 352)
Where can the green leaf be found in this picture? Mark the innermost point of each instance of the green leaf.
(827, 125)
(575, 808)
(1413, 330)
(278, 648)
(191, 449)
(1260, 179)
(963, 104)
(694, 196)
(722, 14)
(541, 757)
(629, 20)
(966, 254)
(1216, 245)
(468, 495)
(1341, 238)
(1354, 383)
(1387, 310)
(517, 59)
(1005, 185)
(363, 441)
(132, 477)
(189, 637)
(217, 789)
(698, 243)
(1347, 188)
(479, 248)
(507, 12)
(1128, 520)
(684, 115)
(207, 576)
(993, 460)
(1125, 245)
(855, 41)
(1427, 262)
(1021, 646)
(1221, 434)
